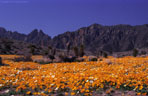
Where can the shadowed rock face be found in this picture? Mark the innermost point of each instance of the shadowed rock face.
(110, 38)
(36, 37)
(94, 37)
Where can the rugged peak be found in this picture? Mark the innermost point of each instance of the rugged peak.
(94, 37)
(95, 26)
(34, 32)
(36, 36)
(41, 32)
(2, 29)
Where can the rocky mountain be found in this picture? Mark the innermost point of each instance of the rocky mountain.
(108, 38)
(36, 37)
(95, 37)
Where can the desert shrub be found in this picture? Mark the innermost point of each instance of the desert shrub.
(1, 61)
(67, 59)
(24, 58)
(105, 55)
(28, 57)
(80, 59)
(52, 57)
(42, 61)
(32, 49)
(135, 52)
(94, 59)
(50, 53)
(18, 59)
(100, 59)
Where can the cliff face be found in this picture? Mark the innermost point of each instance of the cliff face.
(109, 38)
(94, 37)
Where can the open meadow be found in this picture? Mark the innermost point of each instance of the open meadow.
(127, 76)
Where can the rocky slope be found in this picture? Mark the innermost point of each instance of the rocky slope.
(36, 37)
(95, 37)
(109, 38)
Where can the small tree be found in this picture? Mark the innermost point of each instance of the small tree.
(76, 51)
(32, 49)
(51, 57)
(105, 55)
(82, 51)
(1, 61)
(52, 54)
(135, 52)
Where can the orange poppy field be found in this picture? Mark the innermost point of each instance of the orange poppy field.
(76, 78)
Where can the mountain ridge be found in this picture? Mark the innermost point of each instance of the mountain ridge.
(96, 37)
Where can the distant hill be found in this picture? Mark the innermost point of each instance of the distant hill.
(36, 37)
(117, 38)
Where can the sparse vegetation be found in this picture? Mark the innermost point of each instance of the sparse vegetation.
(105, 55)
(67, 59)
(135, 52)
(25, 58)
(94, 59)
(1, 61)
(32, 49)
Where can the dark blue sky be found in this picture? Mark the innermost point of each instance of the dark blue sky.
(57, 16)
